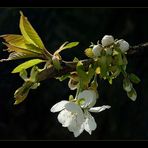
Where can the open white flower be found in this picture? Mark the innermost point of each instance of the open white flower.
(71, 116)
(77, 118)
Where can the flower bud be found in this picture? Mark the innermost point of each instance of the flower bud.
(56, 62)
(132, 94)
(127, 85)
(97, 50)
(123, 45)
(108, 51)
(107, 40)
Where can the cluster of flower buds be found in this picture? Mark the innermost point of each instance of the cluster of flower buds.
(109, 61)
(107, 44)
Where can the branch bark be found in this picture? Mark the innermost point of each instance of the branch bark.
(70, 66)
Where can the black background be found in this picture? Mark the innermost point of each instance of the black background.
(32, 120)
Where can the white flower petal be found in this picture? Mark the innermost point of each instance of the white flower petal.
(59, 106)
(74, 108)
(79, 130)
(99, 109)
(76, 128)
(89, 97)
(89, 124)
(65, 118)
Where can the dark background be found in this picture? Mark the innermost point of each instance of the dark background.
(32, 120)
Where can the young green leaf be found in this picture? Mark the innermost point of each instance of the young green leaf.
(27, 64)
(134, 78)
(17, 55)
(23, 75)
(33, 73)
(22, 92)
(29, 33)
(127, 85)
(83, 78)
(70, 45)
(132, 94)
(64, 46)
(33, 48)
(103, 66)
(15, 40)
(64, 77)
(12, 48)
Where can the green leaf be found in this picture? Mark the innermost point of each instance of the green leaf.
(12, 48)
(75, 59)
(64, 77)
(27, 64)
(134, 78)
(64, 46)
(120, 60)
(20, 42)
(71, 98)
(17, 55)
(35, 86)
(70, 45)
(90, 73)
(23, 74)
(125, 62)
(33, 48)
(20, 53)
(127, 85)
(22, 92)
(29, 33)
(132, 94)
(33, 73)
(103, 66)
(15, 40)
(83, 77)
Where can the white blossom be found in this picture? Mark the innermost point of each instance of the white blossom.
(123, 45)
(107, 40)
(76, 117)
(97, 50)
(71, 116)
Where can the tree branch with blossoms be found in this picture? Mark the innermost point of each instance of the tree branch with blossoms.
(105, 60)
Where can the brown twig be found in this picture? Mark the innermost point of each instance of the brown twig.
(71, 66)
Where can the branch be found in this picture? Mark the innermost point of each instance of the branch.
(70, 66)
(138, 48)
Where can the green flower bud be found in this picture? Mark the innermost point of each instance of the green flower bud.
(56, 62)
(127, 85)
(132, 94)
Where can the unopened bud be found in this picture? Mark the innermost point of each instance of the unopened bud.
(97, 50)
(123, 45)
(107, 40)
